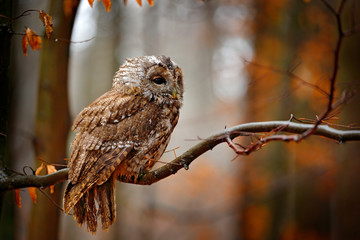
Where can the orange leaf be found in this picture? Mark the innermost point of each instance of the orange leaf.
(33, 39)
(32, 193)
(51, 169)
(107, 4)
(18, 197)
(151, 2)
(24, 44)
(91, 2)
(39, 169)
(69, 6)
(47, 21)
(52, 189)
(139, 2)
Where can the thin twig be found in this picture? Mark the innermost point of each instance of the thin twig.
(52, 200)
(290, 74)
(330, 107)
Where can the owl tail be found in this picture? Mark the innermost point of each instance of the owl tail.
(85, 210)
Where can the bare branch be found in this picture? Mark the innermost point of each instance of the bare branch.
(183, 161)
(330, 106)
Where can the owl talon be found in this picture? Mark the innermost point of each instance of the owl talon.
(185, 164)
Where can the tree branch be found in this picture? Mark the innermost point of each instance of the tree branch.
(41, 181)
(329, 108)
(183, 161)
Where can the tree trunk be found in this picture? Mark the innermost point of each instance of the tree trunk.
(6, 213)
(52, 121)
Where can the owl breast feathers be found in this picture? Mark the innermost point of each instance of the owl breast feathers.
(120, 134)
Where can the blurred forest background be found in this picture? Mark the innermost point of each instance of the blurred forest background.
(307, 190)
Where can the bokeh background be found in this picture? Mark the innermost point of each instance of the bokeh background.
(237, 57)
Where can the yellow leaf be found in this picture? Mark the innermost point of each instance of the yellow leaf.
(18, 197)
(32, 193)
(107, 4)
(47, 21)
(24, 45)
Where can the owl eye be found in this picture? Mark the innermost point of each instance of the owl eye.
(159, 80)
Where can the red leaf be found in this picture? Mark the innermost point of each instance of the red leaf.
(139, 2)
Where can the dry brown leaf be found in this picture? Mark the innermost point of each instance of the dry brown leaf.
(18, 197)
(151, 2)
(24, 45)
(107, 4)
(47, 21)
(32, 193)
(139, 2)
(33, 39)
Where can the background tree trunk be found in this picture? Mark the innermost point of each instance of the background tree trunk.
(301, 191)
(6, 213)
(52, 121)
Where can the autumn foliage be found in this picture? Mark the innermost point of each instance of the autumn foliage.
(34, 40)
(47, 21)
(32, 190)
(30, 38)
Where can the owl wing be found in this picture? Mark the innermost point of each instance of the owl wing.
(105, 138)
(98, 175)
(111, 107)
(100, 127)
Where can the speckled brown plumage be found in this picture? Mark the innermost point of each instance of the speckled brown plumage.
(120, 134)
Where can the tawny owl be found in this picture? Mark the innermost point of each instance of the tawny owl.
(120, 134)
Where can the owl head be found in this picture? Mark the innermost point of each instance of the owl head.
(156, 77)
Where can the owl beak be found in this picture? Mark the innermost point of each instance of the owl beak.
(174, 93)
